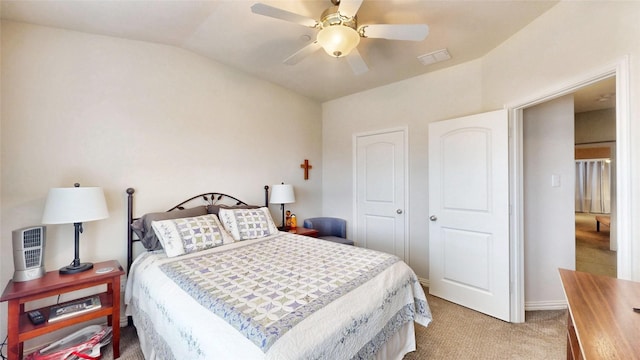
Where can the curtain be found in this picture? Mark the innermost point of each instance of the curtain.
(593, 191)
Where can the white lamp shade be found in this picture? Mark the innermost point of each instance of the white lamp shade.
(282, 194)
(338, 40)
(74, 205)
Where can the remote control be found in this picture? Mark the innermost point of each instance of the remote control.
(36, 317)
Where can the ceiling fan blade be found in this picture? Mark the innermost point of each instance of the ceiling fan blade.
(349, 8)
(414, 32)
(266, 10)
(302, 53)
(357, 62)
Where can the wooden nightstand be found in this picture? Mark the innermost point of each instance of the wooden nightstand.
(304, 231)
(53, 283)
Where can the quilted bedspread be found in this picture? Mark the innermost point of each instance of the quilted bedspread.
(278, 294)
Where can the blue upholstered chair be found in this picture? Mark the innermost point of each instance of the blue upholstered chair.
(329, 228)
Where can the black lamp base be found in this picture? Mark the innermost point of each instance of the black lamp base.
(76, 266)
(70, 269)
(283, 227)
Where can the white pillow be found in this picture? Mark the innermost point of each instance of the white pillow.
(186, 235)
(245, 224)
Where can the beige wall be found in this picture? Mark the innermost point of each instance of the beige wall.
(414, 103)
(570, 40)
(564, 46)
(596, 126)
(115, 113)
(549, 217)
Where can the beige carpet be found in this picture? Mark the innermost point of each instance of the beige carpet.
(460, 333)
(129, 346)
(455, 333)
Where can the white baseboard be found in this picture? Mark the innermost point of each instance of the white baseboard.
(545, 305)
(528, 306)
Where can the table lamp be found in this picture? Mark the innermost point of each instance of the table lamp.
(282, 194)
(74, 206)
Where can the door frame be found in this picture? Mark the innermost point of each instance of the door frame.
(354, 188)
(619, 69)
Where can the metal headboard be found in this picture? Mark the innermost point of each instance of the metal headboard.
(210, 198)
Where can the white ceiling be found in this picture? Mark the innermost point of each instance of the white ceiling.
(597, 96)
(228, 32)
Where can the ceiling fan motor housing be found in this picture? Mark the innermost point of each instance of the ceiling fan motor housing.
(338, 32)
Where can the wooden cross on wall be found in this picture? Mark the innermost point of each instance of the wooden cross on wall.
(306, 168)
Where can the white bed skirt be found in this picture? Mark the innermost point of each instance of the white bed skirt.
(402, 343)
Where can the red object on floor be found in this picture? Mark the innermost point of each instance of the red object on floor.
(82, 344)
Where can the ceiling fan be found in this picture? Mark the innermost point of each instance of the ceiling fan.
(339, 33)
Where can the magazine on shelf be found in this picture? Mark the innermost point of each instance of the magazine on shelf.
(74, 308)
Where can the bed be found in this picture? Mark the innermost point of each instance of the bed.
(265, 295)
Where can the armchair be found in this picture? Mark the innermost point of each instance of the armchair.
(329, 228)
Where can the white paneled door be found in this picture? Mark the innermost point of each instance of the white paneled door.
(469, 212)
(380, 191)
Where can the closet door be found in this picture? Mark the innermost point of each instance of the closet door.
(380, 161)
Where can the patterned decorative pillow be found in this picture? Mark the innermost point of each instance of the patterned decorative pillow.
(245, 224)
(142, 226)
(187, 235)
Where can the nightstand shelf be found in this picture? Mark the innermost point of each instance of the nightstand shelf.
(304, 231)
(29, 331)
(53, 283)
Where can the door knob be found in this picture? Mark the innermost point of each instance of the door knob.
(399, 211)
(433, 218)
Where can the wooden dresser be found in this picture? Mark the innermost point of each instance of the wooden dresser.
(601, 323)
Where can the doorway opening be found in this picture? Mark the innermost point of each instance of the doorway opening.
(595, 148)
(621, 217)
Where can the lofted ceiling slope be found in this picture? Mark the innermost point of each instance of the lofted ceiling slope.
(229, 33)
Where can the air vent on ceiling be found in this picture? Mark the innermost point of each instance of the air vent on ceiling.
(434, 57)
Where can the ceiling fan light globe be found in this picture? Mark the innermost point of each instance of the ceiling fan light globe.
(338, 40)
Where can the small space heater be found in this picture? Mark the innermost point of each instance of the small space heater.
(28, 253)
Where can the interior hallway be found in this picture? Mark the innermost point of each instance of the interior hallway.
(592, 247)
